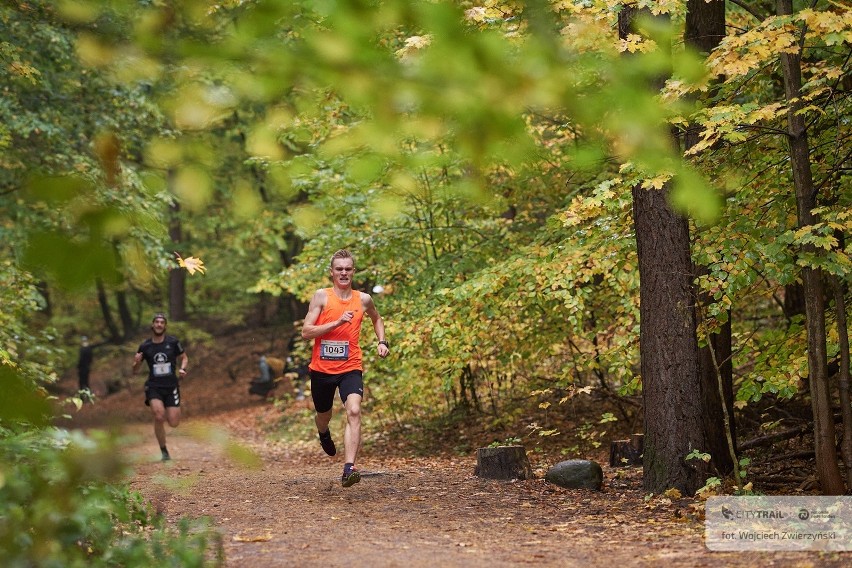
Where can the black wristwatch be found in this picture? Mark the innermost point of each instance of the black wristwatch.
(385, 343)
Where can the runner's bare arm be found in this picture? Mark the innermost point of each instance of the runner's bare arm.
(309, 329)
(378, 323)
(183, 363)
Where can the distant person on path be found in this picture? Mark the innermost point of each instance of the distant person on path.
(334, 323)
(84, 363)
(271, 368)
(265, 371)
(167, 364)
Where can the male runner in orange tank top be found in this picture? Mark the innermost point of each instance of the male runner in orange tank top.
(334, 323)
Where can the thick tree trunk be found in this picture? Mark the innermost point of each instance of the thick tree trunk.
(705, 28)
(668, 346)
(828, 473)
(177, 276)
(705, 24)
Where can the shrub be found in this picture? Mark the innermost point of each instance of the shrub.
(63, 503)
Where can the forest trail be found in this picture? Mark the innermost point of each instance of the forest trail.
(409, 512)
(290, 509)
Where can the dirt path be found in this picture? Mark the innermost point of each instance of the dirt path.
(407, 512)
(292, 511)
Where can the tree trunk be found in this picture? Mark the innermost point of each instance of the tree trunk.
(843, 381)
(115, 335)
(127, 323)
(705, 24)
(705, 28)
(668, 346)
(827, 471)
(794, 300)
(717, 372)
(177, 276)
(294, 308)
(44, 290)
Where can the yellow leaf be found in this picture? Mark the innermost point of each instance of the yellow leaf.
(672, 493)
(656, 182)
(259, 538)
(191, 264)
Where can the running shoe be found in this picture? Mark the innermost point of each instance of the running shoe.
(351, 479)
(327, 443)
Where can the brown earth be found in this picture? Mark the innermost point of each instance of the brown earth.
(289, 508)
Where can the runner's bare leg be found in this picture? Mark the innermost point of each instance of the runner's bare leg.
(352, 433)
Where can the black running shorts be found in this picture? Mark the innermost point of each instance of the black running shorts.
(169, 395)
(323, 386)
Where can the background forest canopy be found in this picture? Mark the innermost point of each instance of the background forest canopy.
(479, 158)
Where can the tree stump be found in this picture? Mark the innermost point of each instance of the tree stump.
(623, 453)
(503, 462)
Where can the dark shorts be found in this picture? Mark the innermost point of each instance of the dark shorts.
(169, 395)
(323, 386)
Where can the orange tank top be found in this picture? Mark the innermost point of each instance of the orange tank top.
(338, 351)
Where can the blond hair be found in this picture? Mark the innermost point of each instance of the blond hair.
(342, 253)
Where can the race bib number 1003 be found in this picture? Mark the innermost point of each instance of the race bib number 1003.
(334, 350)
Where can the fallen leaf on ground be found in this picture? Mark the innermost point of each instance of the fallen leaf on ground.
(257, 538)
(672, 493)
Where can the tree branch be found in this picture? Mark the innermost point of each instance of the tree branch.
(748, 9)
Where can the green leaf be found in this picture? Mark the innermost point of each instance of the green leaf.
(21, 401)
(56, 190)
(73, 264)
(691, 195)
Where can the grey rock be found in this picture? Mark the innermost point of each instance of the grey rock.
(576, 474)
